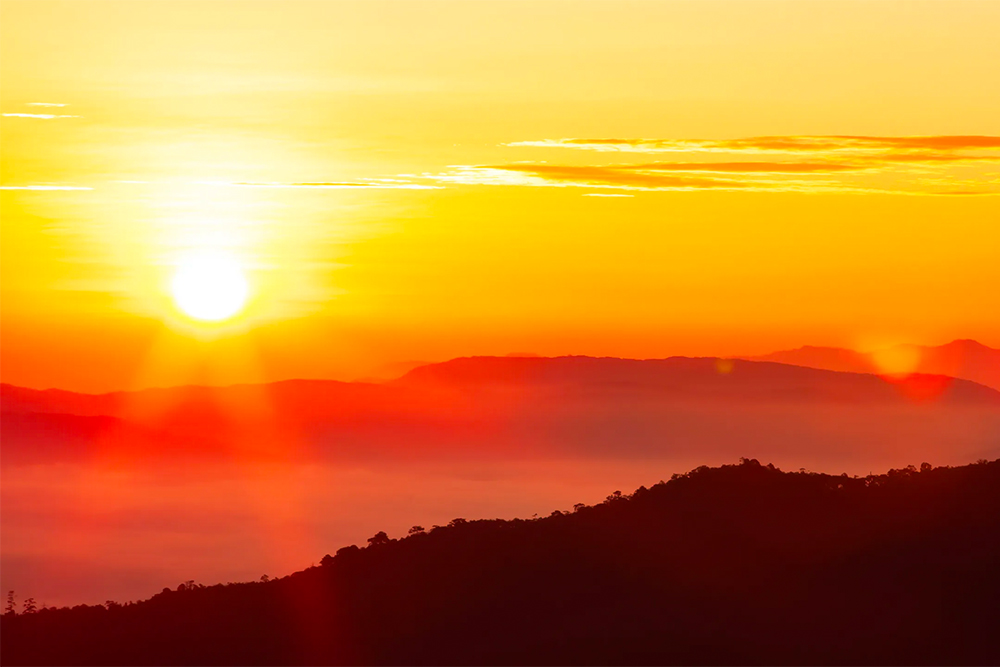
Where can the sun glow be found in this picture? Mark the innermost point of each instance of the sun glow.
(900, 360)
(209, 285)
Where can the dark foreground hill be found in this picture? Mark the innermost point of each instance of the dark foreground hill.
(741, 564)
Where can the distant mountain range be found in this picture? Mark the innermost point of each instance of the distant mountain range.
(737, 565)
(966, 359)
(702, 409)
(699, 379)
(487, 436)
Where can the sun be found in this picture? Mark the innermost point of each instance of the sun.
(209, 285)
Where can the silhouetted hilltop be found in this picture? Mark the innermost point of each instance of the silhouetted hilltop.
(966, 359)
(742, 564)
(688, 378)
(680, 377)
(827, 358)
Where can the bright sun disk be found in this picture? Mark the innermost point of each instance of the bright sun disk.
(209, 285)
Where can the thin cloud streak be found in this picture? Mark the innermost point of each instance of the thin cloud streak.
(380, 184)
(746, 167)
(930, 158)
(43, 187)
(614, 176)
(614, 179)
(774, 144)
(834, 163)
(641, 178)
(42, 116)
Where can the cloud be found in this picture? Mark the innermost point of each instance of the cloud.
(746, 167)
(620, 177)
(821, 163)
(930, 158)
(967, 193)
(43, 187)
(374, 184)
(775, 144)
(43, 116)
(737, 177)
(45, 104)
(612, 175)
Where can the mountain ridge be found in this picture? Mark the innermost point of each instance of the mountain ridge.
(961, 358)
(715, 566)
(523, 407)
(14, 393)
(851, 361)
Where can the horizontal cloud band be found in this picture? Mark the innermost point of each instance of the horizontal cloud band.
(773, 144)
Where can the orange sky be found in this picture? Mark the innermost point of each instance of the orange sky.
(415, 181)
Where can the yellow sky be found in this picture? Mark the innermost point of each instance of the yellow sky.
(414, 181)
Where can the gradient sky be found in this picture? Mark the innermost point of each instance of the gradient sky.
(409, 181)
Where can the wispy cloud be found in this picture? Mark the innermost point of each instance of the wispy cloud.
(619, 178)
(919, 157)
(967, 192)
(374, 184)
(746, 167)
(43, 187)
(834, 163)
(776, 144)
(43, 116)
(45, 104)
(628, 176)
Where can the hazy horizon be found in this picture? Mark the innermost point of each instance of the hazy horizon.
(397, 369)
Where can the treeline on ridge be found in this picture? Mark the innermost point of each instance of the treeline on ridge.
(741, 564)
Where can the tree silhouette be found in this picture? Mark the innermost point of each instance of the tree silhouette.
(11, 608)
(741, 564)
(378, 539)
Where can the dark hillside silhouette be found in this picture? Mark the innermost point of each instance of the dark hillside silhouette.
(743, 564)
